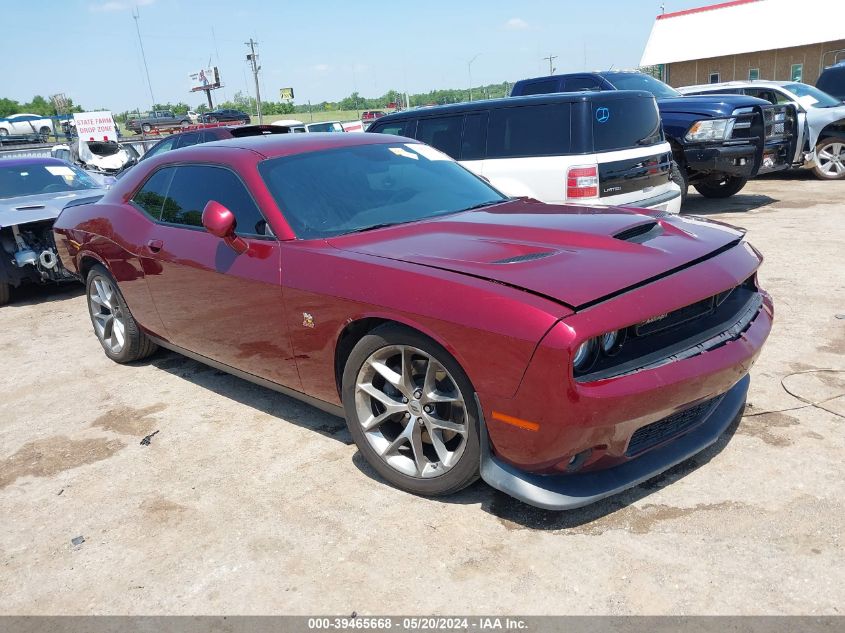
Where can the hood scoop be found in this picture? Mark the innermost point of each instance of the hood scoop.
(526, 257)
(640, 233)
(30, 207)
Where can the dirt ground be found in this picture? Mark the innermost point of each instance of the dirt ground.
(248, 502)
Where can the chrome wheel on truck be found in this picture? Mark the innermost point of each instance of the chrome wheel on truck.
(410, 409)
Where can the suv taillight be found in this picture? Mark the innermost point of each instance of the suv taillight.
(582, 182)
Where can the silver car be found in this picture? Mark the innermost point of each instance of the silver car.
(821, 120)
(33, 191)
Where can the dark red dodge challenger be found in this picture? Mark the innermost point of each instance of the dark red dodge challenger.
(562, 353)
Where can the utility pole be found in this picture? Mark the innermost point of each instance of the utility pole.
(253, 59)
(551, 58)
(136, 16)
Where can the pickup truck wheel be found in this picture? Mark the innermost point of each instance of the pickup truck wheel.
(830, 159)
(116, 329)
(679, 177)
(147, 128)
(4, 293)
(720, 186)
(411, 410)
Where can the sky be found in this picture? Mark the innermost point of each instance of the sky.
(89, 49)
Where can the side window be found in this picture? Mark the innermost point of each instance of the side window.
(160, 148)
(186, 140)
(395, 127)
(194, 185)
(541, 87)
(444, 133)
(474, 140)
(150, 197)
(575, 84)
(536, 130)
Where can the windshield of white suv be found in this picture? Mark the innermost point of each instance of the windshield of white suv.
(810, 96)
(34, 179)
(639, 81)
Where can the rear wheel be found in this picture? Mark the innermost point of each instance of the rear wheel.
(115, 327)
(830, 159)
(410, 409)
(212, 119)
(45, 132)
(720, 186)
(4, 293)
(147, 128)
(184, 123)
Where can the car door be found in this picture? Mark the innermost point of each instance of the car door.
(211, 300)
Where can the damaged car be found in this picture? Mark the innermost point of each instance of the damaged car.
(821, 120)
(32, 193)
(561, 353)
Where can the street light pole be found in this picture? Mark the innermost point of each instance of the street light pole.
(469, 71)
(551, 58)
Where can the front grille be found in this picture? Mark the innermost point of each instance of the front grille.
(778, 121)
(743, 123)
(658, 432)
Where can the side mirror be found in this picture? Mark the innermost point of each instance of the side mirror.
(221, 222)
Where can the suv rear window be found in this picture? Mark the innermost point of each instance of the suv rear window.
(535, 130)
(621, 123)
(540, 87)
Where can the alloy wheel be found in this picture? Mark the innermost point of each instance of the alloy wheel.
(411, 411)
(831, 159)
(109, 322)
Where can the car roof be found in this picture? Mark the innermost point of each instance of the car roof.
(22, 161)
(276, 145)
(509, 102)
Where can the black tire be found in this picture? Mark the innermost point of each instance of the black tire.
(720, 186)
(213, 119)
(679, 177)
(184, 123)
(137, 344)
(4, 131)
(465, 470)
(147, 128)
(830, 142)
(4, 293)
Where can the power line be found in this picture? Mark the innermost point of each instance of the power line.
(137, 16)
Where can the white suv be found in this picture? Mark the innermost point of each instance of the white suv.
(594, 148)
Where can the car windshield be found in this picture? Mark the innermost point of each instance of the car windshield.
(34, 179)
(812, 97)
(350, 189)
(639, 81)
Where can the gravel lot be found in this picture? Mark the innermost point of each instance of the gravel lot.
(246, 501)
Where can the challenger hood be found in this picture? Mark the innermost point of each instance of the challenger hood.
(45, 206)
(573, 255)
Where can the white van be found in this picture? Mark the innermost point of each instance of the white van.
(593, 148)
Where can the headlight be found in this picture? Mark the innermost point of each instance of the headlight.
(710, 130)
(608, 341)
(584, 354)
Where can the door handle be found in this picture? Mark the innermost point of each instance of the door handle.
(155, 245)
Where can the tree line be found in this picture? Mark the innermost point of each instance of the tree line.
(40, 105)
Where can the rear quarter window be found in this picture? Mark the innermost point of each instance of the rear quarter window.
(625, 123)
(536, 130)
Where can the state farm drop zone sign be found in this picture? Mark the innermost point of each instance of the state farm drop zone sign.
(95, 126)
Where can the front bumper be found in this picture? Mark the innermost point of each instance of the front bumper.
(737, 160)
(566, 492)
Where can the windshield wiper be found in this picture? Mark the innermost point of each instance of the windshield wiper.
(481, 205)
(376, 226)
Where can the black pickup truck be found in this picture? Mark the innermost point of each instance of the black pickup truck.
(718, 141)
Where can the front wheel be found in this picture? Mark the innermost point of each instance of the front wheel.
(147, 128)
(679, 177)
(720, 186)
(410, 409)
(115, 327)
(830, 159)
